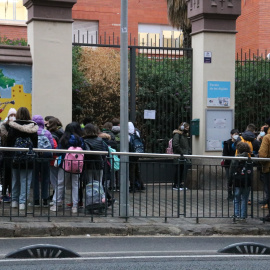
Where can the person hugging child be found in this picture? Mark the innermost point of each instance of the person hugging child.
(241, 172)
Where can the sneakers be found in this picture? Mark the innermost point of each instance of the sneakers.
(74, 210)
(6, 199)
(14, 204)
(54, 207)
(45, 203)
(265, 206)
(179, 188)
(22, 206)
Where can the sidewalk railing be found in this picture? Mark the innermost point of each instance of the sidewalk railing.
(203, 194)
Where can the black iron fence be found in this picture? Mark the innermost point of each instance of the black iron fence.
(252, 89)
(155, 190)
(160, 85)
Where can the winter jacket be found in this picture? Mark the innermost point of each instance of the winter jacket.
(107, 139)
(95, 162)
(24, 129)
(264, 152)
(180, 143)
(39, 120)
(57, 134)
(250, 136)
(240, 173)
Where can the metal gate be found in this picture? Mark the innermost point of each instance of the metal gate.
(160, 88)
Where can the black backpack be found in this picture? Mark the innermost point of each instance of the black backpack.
(23, 156)
(243, 173)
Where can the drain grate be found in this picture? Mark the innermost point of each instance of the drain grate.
(42, 251)
(246, 248)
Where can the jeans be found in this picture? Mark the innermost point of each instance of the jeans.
(58, 195)
(41, 177)
(21, 182)
(241, 201)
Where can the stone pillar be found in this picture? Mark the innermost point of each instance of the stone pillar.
(213, 43)
(49, 34)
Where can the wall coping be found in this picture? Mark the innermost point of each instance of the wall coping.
(15, 54)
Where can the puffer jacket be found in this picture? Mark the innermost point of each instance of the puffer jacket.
(94, 161)
(180, 143)
(24, 129)
(40, 121)
(264, 152)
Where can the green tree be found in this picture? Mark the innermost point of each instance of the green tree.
(177, 15)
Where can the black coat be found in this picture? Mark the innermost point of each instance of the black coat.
(23, 129)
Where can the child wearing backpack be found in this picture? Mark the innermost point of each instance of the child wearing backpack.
(241, 172)
(71, 139)
(41, 175)
(23, 133)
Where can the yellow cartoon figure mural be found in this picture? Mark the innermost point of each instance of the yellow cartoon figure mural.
(15, 88)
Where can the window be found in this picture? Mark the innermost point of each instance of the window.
(85, 31)
(160, 35)
(12, 10)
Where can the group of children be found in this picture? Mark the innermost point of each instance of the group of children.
(239, 172)
(42, 171)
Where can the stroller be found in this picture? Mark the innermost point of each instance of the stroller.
(95, 197)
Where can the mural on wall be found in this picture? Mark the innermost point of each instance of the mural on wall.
(15, 88)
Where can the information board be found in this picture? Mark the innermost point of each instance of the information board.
(219, 123)
(218, 94)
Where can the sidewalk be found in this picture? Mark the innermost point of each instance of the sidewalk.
(115, 226)
(212, 208)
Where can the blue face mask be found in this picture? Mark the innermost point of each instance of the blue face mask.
(262, 133)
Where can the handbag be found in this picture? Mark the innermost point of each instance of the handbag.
(57, 161)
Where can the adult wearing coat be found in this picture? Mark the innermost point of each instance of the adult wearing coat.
(264, 152)
(181, 146)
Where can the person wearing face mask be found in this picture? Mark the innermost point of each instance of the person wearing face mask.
(4, 129)
(181, 146)
(229, 149)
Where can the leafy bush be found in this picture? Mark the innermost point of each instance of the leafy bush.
(252, 92)
(99, 94)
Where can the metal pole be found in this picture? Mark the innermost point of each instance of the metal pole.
(124, 170)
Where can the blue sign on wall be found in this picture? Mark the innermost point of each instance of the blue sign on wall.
(218, 94)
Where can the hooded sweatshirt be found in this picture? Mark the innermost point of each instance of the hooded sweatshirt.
(40, 122)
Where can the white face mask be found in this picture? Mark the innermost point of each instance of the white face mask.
(262, 133)
(235, 137)
(12, 118)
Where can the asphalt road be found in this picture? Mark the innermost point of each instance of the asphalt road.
(138, 253)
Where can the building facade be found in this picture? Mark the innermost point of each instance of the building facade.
(147, 23)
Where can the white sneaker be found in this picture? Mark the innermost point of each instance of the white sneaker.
(74, 210)
(54, 207)
(22, 206)
(14, 204)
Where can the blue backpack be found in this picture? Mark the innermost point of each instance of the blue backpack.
(44, 143)
(135, 144)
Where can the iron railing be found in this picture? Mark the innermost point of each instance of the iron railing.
(206, 195)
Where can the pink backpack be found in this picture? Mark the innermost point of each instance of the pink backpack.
(73, 162)
(169, 149)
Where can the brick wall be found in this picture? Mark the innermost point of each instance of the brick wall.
(253, 27)
(13, 32)
(108, 14)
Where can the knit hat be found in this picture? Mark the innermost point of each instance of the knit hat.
(11, 111)
(267, 121)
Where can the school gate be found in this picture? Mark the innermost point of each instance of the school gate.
(160, 85)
